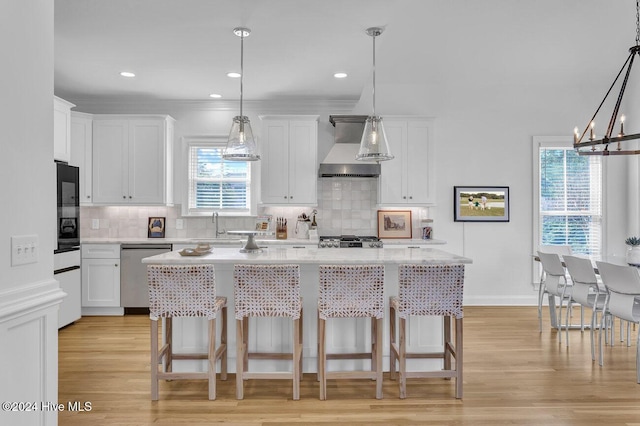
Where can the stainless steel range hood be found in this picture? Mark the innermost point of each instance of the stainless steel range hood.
(341, 159)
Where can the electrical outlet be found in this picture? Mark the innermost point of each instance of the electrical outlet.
(95, 223)
(179, 224)
(24, 249)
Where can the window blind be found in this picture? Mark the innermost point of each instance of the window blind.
(215, 184)
(570, 200)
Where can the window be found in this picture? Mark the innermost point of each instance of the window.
(215, 184)
(568, 197)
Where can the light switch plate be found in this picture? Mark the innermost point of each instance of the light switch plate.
(24, 249)
(179, 224)
(95, 223)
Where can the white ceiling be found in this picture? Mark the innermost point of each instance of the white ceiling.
(182, 49)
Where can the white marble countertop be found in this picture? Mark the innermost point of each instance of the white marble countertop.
(237, 241)
(389, 255)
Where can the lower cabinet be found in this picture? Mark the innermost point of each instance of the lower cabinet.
(101, 279)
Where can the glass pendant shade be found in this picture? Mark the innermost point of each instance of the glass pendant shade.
(373, 145)
(241, 145)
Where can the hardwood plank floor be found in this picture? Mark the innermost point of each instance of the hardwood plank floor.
(513, 375)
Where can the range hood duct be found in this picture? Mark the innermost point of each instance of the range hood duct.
(341, 159)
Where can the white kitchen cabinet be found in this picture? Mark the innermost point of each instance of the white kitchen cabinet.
(61, 129)
(289, 149)
(408, 179)
(101, 279)
(81, 152)
(133, 159)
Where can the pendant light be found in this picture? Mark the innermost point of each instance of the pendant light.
(594, 146)
(373, 145)
(241, 145)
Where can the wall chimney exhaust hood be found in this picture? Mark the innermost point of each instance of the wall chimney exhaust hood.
(341, 159)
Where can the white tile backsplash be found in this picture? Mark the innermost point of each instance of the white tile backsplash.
(345, 206)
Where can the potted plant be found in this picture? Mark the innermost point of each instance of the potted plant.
(633, 253)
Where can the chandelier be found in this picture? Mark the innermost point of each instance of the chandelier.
(595, 146)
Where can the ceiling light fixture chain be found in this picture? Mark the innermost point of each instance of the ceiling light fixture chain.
(637, 22)
(592, 143)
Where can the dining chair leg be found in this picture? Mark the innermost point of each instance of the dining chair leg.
(300, 339)
(402, 358)
(168, 336)
(223, 344)
(296, 358)
(459, 357)
(446, 324)
(245, 344)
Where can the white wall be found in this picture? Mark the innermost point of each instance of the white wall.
(28, 293)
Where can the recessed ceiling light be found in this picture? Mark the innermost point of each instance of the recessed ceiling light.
(215, 95)
(233, 74)
(340, 75)
(127, 74)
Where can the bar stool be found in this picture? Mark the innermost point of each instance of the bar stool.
(351, 291)
(428, 290)
(185, 291)
(267, 291)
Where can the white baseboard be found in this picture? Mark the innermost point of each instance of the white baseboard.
(108, 311)
(501, 300)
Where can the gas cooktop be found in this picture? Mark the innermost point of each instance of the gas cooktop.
(350, 241)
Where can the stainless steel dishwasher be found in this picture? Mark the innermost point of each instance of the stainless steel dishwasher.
(134, 294)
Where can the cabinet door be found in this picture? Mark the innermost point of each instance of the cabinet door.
(147, 161)
(81, 153)
(61, 132)
(100, 282)
(69, 310)
(303, 177)
(420, 163)
(275, 162)
(110, 161)
(393, 173)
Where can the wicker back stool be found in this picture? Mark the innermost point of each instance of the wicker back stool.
(428, 290)
(185, 291)
(267, 291)
(351, 291)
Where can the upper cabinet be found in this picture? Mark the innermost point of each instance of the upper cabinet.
(289, 150)
(408, 179)
(132, 159)
(61, 129)
(81, 152)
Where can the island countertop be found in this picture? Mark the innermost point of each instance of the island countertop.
(390, 255)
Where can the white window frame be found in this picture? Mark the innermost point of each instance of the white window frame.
(214, 141)
(560, 142)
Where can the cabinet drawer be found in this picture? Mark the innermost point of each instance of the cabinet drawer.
(101, 251)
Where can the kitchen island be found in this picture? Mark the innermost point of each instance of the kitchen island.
(274, 334)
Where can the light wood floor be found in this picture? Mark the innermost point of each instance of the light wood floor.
(513, 375)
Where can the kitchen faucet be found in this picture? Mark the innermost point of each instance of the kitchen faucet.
(215, 219)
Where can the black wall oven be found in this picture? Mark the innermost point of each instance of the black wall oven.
(68, 220)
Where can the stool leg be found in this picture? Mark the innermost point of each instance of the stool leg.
(296, 359)
(459, 357)
(374, 345)
(392, 342)
(239, 359)
(223, 344)
(168, 336)
(402, 359)
(318, 346)
(378, 359)
(154, 360)
(446, 322)
(300, 337)
(322, 359)
(212, 359)
(245, 344)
